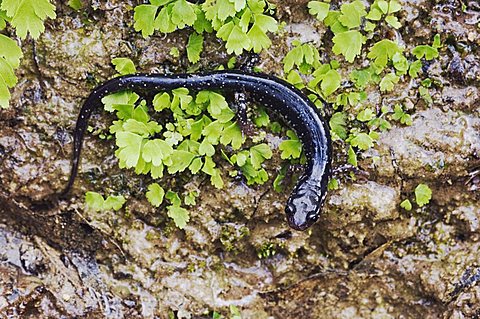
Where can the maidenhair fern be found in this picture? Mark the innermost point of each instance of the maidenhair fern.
(243, 24)
(26, 17)
(10, 55)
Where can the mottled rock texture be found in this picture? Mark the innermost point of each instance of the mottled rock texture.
(365, 258)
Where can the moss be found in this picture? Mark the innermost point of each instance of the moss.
(232, 235)
(267, 250)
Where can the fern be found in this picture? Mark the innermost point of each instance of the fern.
(10, 55)
(242, 24)
(27, 17)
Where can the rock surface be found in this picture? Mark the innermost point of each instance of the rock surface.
(365, 258)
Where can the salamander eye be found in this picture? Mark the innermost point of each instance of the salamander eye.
(290, 209)
(312, 217)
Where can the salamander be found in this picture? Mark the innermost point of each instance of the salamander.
(305, 202)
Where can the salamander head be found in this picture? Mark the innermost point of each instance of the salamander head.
(303, 206)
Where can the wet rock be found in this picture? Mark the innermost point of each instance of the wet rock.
(350, 295)
(464, 98)
(437, 144)
(448, 17)
(457, 69)
(366, 257)
(469, 217)
(466, 305)
(292, 10)
(369, 200)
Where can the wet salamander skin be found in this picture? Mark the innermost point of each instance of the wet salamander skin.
(305, 203)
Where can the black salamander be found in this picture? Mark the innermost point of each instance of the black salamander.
(305, 203)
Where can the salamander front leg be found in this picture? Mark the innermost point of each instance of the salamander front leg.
(238, 102)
